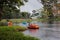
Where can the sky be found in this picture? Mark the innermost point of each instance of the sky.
(31, 5)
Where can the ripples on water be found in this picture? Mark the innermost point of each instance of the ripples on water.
(46, 31)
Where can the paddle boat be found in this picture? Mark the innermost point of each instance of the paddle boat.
(33, 26)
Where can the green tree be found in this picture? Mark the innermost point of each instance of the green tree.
(25, 14)
(48, 4)
(10, 6)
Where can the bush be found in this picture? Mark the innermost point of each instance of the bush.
(3, 24)
(12, 33)
(9, 35)
(12, 28)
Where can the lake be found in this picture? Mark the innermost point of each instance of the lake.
(46, 31)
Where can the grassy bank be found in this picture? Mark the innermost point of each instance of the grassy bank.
(12, 28)
(14, 33)
(3, 22)
(29, 20)
(21, 20)
(17, 20)
(9, 35)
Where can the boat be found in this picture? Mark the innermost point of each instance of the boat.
(33, 26)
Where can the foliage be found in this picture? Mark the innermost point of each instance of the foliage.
(10, 35)
(3, 24)
(16, 20)
(44, 14)
(48, 4)
(12, 28)
(25, 14)
(9, 7)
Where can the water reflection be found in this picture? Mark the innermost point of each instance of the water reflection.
(33, 31)
(49, 31)
(50, 21)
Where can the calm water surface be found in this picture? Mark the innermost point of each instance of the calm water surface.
(47, 31)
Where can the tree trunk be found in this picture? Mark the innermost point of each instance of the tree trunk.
(51, 16)
(0, 17)
(1, 8)
(0, 13)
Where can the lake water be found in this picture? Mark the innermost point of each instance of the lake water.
(46, 31)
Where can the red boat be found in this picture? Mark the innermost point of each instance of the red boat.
(33, 26)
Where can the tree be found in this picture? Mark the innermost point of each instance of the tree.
(48, 4)
(25, 14)
(10, 6)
